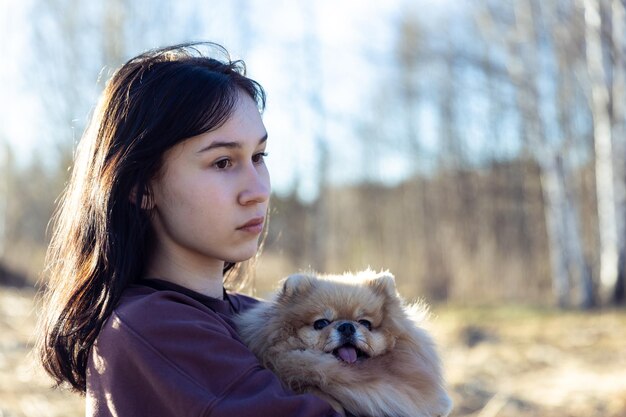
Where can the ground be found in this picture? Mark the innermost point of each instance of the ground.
(526, 362)
(499, 361)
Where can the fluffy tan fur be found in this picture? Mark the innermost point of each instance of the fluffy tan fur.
(398, 371)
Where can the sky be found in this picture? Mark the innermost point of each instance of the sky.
(17, 102)
(335, 72)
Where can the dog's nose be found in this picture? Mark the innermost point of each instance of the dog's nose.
(346, 329)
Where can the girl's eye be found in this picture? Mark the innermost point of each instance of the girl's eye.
(366, 323)
(223, 164)
(320, 324)
(259, 158)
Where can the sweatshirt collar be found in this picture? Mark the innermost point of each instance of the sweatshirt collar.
(224, 306)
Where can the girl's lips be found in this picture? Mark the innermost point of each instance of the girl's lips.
(253, 226)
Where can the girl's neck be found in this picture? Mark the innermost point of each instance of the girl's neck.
(202, 277)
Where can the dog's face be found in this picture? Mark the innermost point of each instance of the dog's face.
(345, 316)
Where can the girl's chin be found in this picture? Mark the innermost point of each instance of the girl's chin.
(245, 255)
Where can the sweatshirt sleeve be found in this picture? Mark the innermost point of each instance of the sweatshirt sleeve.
(163, 357)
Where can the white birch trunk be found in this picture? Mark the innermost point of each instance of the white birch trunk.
(4, 193)
(605, 193)
(619, 135)
(562, 219)
(554, 201)
(319, 209)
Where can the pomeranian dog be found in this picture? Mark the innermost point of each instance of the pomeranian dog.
(351, 340)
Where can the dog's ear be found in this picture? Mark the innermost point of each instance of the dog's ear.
(383, 283)
(297, 284)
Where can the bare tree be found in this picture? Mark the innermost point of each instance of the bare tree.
(6, 172)
(521, 43)
(618, 112)
(603, 143)
(315, 85)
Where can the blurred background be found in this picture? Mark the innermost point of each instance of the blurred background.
(473, 148)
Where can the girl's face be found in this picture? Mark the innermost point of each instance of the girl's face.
(211, 197)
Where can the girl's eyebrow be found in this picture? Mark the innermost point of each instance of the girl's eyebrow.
(228, 145)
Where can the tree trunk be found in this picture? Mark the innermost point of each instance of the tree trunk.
(554, 204)
(6, 168)
(605, 192)
(619, 138)
(319, 209)
(565, 42)
(618, 113)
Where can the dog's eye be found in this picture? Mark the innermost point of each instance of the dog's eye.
(366, 323)
(320, 324)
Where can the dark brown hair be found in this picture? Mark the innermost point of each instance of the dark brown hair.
(100, 237)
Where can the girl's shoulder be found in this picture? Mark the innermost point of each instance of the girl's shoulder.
(172, 328)
(150, 307)
(146, 309)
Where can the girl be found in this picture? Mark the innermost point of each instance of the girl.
(168, 193)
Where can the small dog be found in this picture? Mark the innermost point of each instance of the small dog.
(351, 340)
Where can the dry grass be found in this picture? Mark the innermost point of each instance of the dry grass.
(24, 389)
(531, 362)
(505, 362)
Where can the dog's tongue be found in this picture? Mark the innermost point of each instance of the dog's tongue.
(347, 354)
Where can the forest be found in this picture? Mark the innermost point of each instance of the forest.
(507, 130)
(475, 149)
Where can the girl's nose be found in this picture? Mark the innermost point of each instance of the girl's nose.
(257, 186)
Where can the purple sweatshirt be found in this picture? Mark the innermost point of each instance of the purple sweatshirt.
(168, 351)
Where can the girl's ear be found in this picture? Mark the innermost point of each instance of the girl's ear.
(147, 203)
